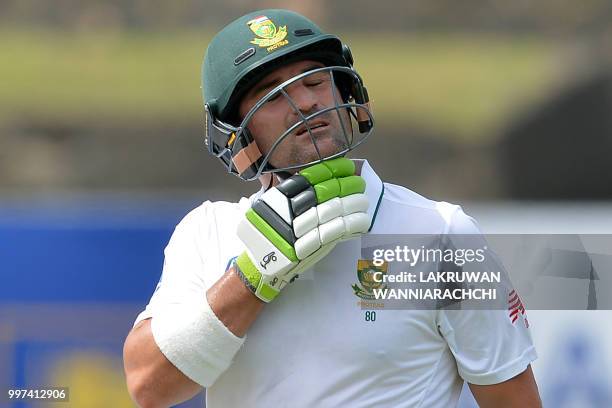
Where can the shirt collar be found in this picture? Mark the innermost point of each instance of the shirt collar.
(374, 188)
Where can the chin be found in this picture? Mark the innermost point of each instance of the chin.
(306, 154)
(329, 147)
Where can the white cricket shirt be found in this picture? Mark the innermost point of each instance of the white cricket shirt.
(312, 346)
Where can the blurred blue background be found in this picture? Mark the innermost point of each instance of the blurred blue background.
(76, 272)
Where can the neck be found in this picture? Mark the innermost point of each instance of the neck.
(358, 166)
(268, 180)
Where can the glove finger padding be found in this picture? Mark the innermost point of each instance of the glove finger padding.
(298, 221)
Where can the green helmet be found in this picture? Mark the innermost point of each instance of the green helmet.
(244, 52)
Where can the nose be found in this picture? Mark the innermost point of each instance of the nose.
(305, 99)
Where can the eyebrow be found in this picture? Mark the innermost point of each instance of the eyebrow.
(274, 81)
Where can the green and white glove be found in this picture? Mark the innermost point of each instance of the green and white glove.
(297, 223)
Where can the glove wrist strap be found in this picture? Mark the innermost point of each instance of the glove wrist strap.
(252, 278)
(243, 278)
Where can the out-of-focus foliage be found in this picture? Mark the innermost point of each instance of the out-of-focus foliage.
(543, 16)
(455, 83)
(458, 84)
(60, 75)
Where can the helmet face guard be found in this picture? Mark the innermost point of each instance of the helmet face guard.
(348, 115)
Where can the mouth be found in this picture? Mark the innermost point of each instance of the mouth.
(315, 127)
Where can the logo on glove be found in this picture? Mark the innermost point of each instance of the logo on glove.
(271, 257)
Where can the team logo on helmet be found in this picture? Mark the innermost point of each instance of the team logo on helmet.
(270, 37)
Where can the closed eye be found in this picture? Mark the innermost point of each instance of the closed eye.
(316, 79)
(274, 97)
(314, 83)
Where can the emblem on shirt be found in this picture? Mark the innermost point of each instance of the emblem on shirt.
(269, 36)
(365, 273)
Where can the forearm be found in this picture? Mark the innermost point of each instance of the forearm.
(152, 380)
(233, 303)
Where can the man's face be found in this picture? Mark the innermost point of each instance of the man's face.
(309, 94)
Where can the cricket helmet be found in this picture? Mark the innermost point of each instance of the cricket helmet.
(248, 49)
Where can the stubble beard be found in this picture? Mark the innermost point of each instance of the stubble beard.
(328, 145)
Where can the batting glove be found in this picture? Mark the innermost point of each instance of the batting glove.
(295, 224)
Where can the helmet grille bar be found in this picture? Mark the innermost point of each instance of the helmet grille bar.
(335, 94)
(304, 121)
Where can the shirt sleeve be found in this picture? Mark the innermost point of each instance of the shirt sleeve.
(182, 279)
(489, 346)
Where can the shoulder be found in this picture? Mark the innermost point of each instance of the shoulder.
(203, 241)
(409, 212)
(204, 220)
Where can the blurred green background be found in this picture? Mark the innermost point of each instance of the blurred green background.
(106, 95)
(129, 76)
